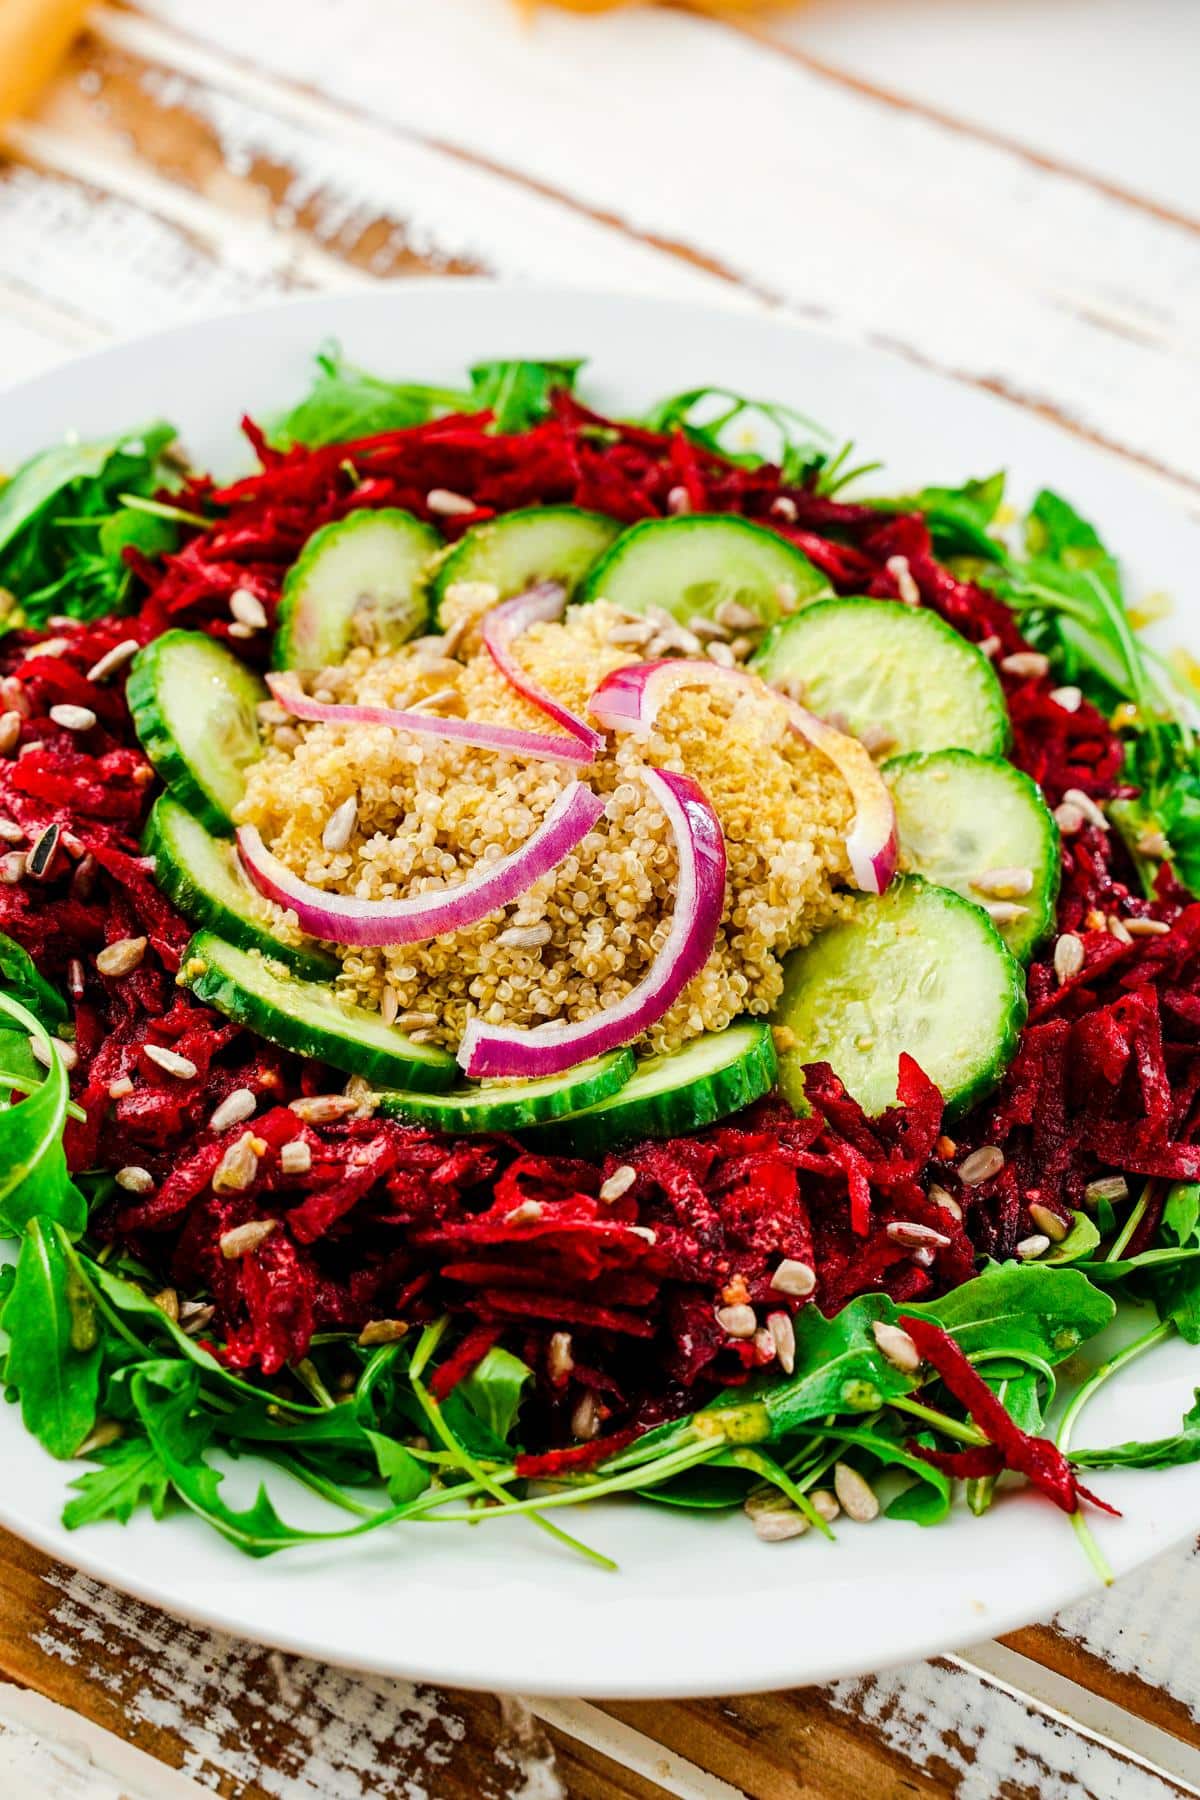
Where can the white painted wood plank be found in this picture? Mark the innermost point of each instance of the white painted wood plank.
(1107, 86)
(883, 223)
(50, 1753)
(1146, 1626)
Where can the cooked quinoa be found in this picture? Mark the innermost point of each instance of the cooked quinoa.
(586, 933)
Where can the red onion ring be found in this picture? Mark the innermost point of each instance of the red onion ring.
(504, 624)
(492, 1050)
(344, 920)
(629, 699)
(484, 736)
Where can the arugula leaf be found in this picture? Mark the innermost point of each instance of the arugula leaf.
(1080, 1241)
(20, 979)
(52, 514)
(33, 1168)
(1153, 1453)
(518, 393)
(493, 1391)
(1021, 1308)
(347, 402)
(750, 432)
(54, 1342)
(958, 518)
(130, 1475)
(839, 1367)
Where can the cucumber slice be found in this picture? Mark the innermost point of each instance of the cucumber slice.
(194, 710)
(918, 969)
(696, 563)
(960, 815)
(203, 877)
(717, 1074)
(536, 543)
(371, 562)
(307, 1017)
(515, 1105)
(900, 669)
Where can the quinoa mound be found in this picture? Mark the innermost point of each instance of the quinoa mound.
(587, 932)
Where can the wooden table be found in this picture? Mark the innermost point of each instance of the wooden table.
(1006, 189)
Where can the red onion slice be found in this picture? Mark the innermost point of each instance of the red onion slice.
(504, 624)
(340, 919)
(629, 699)
(484, 736)
(493, 1050)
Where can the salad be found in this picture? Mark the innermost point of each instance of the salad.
(546, 956)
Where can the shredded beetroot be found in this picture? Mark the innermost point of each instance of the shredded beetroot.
(392, 1221)
(973, 1464)
(466, 1358)
(1042, 1462)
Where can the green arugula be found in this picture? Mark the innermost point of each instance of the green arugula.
(1153, 1453)
(518, 393)
(959, 519)
(33, 1166)
(130, 1475)
(21, 981)
(54, 1350)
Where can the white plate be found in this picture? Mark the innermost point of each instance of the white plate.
(699, 1605)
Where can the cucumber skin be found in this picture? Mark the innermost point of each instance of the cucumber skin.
(1047, 908)
(157, 739)
(204, 912)
(282, 656)
(215, 988)
(1010, 1038)
(454, 563)
(761, 661)
(667, 1115)
(517, 1114)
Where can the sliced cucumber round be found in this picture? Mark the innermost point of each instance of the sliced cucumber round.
(898, 669)
(916, 969)
(979, 826)
(697, 563)
(515, 1105)
(693, 1087)
(307, 1017)
(370, 563)
(536, 543)
(194, 709)
(202, 876)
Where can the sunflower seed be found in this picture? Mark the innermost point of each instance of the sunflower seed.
(584, 1421)
(438, 701)
(897, 1347)
(825, 1504)
(632, 635)
(981, 1165)
(295, 1158)
(12, 868)
(120, 1088)
(916, 1237)
(170, 1062)
(942, 1197)
(1027, 665)
(167, 1301)
(1048, 1222)
(1003, 884)
(736, 617)
(1153, 844)
(10, 831)
(1109, 1187)
(135, 1180)
(245, 1239)
(194, 1315)
(738, 1321)
(113, 659)
(783, 1337)
(784, 508)
(234, 1109)
(1068, 957)
(1030, 1248)
(238, 1167)
(775, 1524)
(10, 731)
(722, 655)
(40, 860)
(84, 879)
(339, 827)
(389, 1005)
(449, 504)
(322, 1109)
(73, 718)
(525, 937)
(856, 1495)
(793, 1277)
(559, 1359)
(1005, 912)
(1069, 698)
(1087, 806)
(122, 956)
(900, 572)
(1068, 818)
(707, 630)
(364, 1096)
(103, 1433)
(68, 1056)
(525, 1213)
(382, 1331)
(988, 647)
(646, 1232)
(679, 501)
(416, 1021)
(1143, 928)
(1118, 930)
(248, 609)
(618, 1183)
